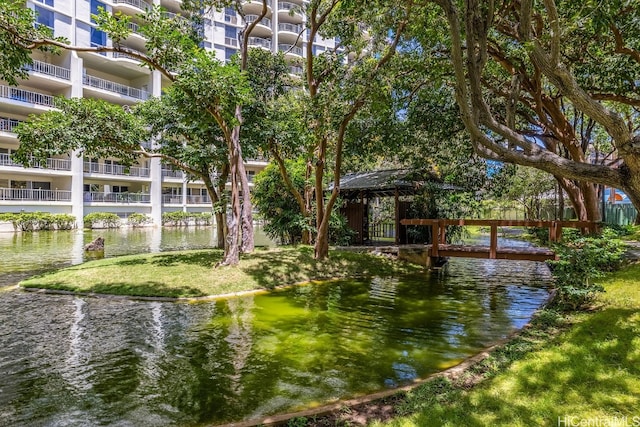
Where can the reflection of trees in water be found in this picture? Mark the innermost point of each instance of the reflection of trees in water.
(156, 363)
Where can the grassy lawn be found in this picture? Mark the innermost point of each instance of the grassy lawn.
(193, 273)
(583, 368)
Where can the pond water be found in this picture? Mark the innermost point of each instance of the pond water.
(77, 361)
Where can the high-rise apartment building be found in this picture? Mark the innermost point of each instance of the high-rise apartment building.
(81, 185)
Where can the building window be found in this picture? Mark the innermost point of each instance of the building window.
(98, 38)
(47, 2)
(95, 4)
(228, 53)
(45, 17)
(230, 32)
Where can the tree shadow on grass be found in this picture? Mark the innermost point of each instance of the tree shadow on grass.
(146, 289)
(591, 366)
(275, 268)
(207, 259)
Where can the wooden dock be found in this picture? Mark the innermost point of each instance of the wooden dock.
(440, 249)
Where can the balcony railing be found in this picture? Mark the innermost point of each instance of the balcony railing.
(35, 195)
(287, 48)
(107, 169)
(174, 199)
(198, 200)
(230, 41)
(26, 96)
(290, 28)
(264, 21)
(125, 56)
(142, 5)
(8, 125)
(49, 70)
(169, 173)
(260, 42)
(135, 28)
(114, 87)
(51, 163)
(259, 2)
(91, 196)
(295, 69)
(285, 5)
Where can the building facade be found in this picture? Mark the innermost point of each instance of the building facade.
(79, 185)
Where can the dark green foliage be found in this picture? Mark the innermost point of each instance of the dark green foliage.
(434, 202)
(103, 219)
(283, 219)
(183, 219)
(582, 260)
(138, 219)
(34, 221)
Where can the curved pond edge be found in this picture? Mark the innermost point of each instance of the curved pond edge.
(175, 299)
(451, 373)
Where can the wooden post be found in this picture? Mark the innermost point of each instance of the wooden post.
(553, 229)
(397, 212)
(493, 247)
(435, 236)
(443, 231)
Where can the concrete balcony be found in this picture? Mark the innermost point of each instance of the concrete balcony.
(131, 7)
(115, 88)
(118, 170)
(171, 199)
(296, 70)
(170, 173)
(22, 97)
(260, 42)
(116, 198)
(254, 7)
(8, 125)
(51, 163)
(290, 50)
(289, 12)
(289, 33)
(198, 200)
(34, 195)
(262, 29)
(45, 68)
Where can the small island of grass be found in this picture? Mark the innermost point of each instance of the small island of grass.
(189, 274)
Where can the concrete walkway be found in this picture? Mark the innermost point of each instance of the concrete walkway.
(633, 251)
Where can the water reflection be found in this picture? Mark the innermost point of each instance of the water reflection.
(85, 361)
(25, 254)
(76, 361)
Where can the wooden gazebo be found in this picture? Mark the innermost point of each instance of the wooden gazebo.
(358, 189)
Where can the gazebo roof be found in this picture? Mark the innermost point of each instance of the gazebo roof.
(385, 183)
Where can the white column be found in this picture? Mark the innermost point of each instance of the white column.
(155, 167)
(77, 174)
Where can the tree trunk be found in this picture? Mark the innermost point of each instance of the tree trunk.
(233, 236)
(321, 247)
(248, 244)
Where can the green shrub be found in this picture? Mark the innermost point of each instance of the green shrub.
(34, 221)
(138, 219)
(183, 219)
(7, 216)
(64, 221)
(105, 219)
(582, 260)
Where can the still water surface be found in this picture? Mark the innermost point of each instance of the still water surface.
(68, 361)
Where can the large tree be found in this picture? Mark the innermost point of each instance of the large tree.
(548, 84)
(339, 84)
(172, 49)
